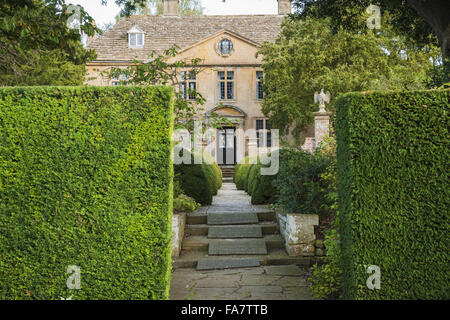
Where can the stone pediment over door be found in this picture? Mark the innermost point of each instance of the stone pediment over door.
(243, 51)
(228, 112)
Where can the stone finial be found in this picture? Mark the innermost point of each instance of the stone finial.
(322, 98)
(170, 7)
(284, 7)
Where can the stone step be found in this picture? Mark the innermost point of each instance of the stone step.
(218, 264)
(201, 243)
(275, 257)
(233, 232)
(247, 247)
(232, 218)
(202, 229)
(201, 218)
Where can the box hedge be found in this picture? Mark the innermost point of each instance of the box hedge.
(393, 171)
(199, 181)
(86, 180)
(248, 177)
(240, 173)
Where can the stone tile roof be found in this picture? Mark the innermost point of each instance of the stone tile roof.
(162, 32)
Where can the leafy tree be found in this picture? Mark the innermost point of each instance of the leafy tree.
(309, 56)
(417, 19)
(37, 47)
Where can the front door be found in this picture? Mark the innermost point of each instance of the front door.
(226, 146)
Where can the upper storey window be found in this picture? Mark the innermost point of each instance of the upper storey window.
(136, 37)
(188, 85)
(259, 85)
(226, 85)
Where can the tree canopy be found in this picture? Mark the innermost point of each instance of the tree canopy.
(37, 46)
(424, 21)
(310, 55)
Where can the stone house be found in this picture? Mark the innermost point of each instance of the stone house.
(231, 75)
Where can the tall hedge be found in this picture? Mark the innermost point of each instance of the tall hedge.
(85, 179)
(393, 170)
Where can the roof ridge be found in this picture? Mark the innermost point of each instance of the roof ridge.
(203, 15)
(164, 31)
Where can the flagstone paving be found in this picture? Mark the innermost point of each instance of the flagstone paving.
(261, 283)
(235, 267)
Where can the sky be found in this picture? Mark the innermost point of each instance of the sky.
(106, 14)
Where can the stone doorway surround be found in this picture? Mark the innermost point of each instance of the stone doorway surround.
(237, 116)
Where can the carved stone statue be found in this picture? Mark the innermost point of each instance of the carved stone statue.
(322, 98)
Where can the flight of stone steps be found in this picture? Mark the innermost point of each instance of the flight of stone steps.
(227, 173)
(232, 233)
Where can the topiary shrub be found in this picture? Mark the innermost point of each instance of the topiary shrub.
(261, 186)
(199, 181)
(240, 173)
(85, 180)
(252, 176)
(393, 172)
(248, 176)
(216, 171)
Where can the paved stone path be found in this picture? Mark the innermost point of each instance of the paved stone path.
(232, 212)
(261, 283)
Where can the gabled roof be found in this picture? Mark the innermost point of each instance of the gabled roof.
(221, 32)
(162, 32)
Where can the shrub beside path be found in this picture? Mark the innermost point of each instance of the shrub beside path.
(233, 250)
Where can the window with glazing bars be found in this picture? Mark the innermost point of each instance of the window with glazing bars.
(188, 85)
(226, 85)
(263, 133)
(259, 85)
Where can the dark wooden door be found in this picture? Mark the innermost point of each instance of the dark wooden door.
(226, 146)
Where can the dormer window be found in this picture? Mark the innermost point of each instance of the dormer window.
(136, 37)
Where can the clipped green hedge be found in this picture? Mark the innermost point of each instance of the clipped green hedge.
(215, 170)
(199, 181)
(85, 179)
(240, 173)
(248, 177)
(393, 171)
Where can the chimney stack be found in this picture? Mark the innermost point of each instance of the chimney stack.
(170, 7)
(284, 7)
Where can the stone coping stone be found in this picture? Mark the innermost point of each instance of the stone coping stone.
(232, 218)
(227, 264)
(247, 247)
(233, 232)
